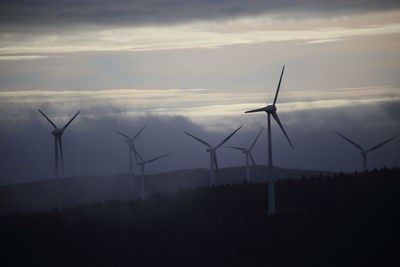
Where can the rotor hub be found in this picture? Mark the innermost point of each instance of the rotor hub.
(57, 132)
(270, 109)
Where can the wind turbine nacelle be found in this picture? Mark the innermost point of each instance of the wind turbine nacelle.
(270, 109)
(210, 149)
(57, 132)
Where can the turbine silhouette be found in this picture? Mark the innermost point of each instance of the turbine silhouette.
(213, 153)
(58, 132)
(131, 147)
(142, 163)
(248, 156)
(363, 151)
(271, 111)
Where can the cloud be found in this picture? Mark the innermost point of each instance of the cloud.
(26, 57)
(323, 41)
(200, 105)
(367, 114)
(48, 13)
(190, 36)
(92, 148)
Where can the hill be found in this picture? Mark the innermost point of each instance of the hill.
(340, 220)
(71, 191)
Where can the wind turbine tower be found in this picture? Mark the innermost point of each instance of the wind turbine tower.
(213, 153)
(248, 156)
(142, 163)
(364, 152)
(57, 133)
(131, 147)
(271, 111)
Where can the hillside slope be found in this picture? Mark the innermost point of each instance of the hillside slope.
(344, 220)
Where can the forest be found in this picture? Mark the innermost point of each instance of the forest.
(333, 220)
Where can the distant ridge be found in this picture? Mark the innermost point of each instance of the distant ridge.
(72, 191)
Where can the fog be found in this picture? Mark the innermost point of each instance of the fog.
(91, 147)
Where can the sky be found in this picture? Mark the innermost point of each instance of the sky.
(196, 66)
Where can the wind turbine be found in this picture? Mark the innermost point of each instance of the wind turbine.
(363, 151)
(271, 111)
(58, 132)
(213, 153)
(142, 163)
(131, 147)
(248, 156)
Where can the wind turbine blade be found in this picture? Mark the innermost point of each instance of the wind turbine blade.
(139, 131)
(255, 110)
(381, 144)
(255, 140)
(279, 85)
(124, 135)
(252, 159)
(281, 126)
(138, 155)
(215, 162)
(237, 148)
(351, 142)
(135, 153)
(68, 123)
(255, 166)
(198, 139)
(226, 139)
(157, 158)
(61, 152)
(44, 115)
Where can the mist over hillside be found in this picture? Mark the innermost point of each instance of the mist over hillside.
(70, 191)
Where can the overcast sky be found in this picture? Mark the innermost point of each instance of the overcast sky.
(196, 66)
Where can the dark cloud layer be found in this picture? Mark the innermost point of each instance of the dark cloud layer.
(122, 12)
(92, 148)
